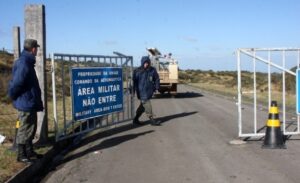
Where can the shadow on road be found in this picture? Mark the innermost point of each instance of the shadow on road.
(291, 126)
(170, 117)
(111, 142)
(179, 95)
(127, 127)
(104, 134)
(124, 128)
(179, 115)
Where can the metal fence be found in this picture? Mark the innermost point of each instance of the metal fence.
(265, 75)
(61, 65)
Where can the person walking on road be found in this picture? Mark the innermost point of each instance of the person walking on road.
(145, 83)
(25, 92)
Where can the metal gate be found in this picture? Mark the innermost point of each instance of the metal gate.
(61, 65)
(264, 75)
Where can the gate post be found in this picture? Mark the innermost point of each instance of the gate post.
(35, 28)
(16, 38)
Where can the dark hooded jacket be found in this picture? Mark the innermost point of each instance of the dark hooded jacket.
(145, 81)
(24, 87)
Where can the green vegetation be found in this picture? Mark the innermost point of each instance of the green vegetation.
(225, 83)
(229, 79)
(6, 61)
(8, 164)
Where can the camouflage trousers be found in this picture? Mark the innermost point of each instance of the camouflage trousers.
(28, 126)
(145, 106)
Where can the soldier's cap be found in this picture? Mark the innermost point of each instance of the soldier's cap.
(30, 43)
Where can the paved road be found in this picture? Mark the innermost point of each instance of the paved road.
(192, 145)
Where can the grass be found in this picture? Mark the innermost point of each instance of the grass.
(215, 88)
(247, 96)
(8, 164)
(8, 118)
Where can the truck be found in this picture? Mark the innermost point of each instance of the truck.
(167, 68)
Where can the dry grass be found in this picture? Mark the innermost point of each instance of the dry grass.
(8, 163)
(8, 118)
(216, 88)
(247, 96)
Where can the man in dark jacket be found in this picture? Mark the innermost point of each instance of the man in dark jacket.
(25, 92)
(145, 83)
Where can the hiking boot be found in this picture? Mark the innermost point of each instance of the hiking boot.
(154, 122)
(22, 156)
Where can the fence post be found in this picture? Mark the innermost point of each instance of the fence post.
(16, 38)
(35, 28)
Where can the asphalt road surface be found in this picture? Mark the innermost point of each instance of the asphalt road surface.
(192, 145)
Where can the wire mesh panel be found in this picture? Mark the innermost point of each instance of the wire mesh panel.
(62, 65)
(265, 75)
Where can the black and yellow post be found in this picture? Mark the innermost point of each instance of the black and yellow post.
(14, 146)
(274, 138)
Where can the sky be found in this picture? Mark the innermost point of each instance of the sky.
(200, 34)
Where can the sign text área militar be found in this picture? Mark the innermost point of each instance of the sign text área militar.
(96, 91)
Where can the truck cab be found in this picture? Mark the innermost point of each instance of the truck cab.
(167, 68)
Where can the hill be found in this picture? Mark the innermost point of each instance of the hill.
(6, 62)
(228, 79)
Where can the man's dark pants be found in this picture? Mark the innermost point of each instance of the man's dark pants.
(28, 126)
(145, 106)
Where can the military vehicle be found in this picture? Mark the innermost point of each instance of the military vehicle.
(167, 68)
